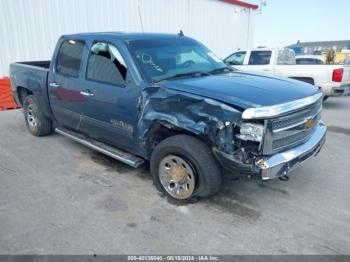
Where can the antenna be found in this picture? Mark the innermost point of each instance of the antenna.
(262, 4)
(140, 16)
(180, 33)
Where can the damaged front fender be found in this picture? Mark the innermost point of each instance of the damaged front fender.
(181, 111)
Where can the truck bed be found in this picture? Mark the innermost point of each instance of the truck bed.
(43, 64)
(321, 76)
(31, 76)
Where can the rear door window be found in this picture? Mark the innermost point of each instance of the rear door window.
(106, 64)
(259, 58)
(286, 57)
(69, 58)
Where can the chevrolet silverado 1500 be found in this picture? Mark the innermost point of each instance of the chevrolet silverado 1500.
(169, 100)
(333, 80)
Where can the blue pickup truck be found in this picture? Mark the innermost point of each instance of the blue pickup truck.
(168, 100)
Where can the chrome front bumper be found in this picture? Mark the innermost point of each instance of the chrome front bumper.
(282, 163)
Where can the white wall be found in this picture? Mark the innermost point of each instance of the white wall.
(29, 29)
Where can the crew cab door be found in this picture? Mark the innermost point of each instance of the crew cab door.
(252, 61)
(110, 112)
(64, 84)
(260, 61)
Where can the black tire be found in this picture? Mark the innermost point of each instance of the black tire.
(22, 95)
(207, 171)
(37, 123)
(325, 98)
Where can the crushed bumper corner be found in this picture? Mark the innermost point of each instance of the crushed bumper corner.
(282, 163)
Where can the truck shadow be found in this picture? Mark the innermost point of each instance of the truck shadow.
(243, 197)
(231, 199)
(339, 130)
(334, 104)
(112, 165)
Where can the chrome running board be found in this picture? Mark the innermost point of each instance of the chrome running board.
(113, 152)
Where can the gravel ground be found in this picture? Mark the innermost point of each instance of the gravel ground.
(58, 197)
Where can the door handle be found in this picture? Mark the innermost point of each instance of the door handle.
(53, 84)
(86, 93)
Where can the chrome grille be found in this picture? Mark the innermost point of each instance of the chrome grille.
(296, 117)
(292, 129)
(293, 139)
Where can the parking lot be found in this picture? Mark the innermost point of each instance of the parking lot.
(58, 197)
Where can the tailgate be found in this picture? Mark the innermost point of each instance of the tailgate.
(346, 75)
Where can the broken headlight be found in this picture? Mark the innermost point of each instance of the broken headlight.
(251, 132)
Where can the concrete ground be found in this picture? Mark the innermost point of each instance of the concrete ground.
(58, 197)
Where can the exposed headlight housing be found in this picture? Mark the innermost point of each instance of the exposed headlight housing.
(251, 132)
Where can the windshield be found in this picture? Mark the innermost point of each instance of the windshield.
(167, 58)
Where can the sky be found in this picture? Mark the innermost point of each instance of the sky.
(284, 22)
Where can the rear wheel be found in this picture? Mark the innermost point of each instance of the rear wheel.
(183, 168)
(37, 123)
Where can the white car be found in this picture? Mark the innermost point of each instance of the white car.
(347, 61)
(333, 80)
(309, 60)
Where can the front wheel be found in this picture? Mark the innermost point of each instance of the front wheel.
(37, 123)
(183, 167)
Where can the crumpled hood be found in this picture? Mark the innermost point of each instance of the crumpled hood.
(243, 89)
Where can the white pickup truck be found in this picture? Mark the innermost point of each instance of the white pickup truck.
(333, 80)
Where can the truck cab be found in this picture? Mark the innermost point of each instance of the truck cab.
(168, 100)
(262, 59)
(91, 88)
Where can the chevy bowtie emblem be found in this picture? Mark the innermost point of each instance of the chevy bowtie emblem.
(309, 123)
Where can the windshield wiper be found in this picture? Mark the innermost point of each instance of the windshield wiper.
(187, 74)
(219, 70)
